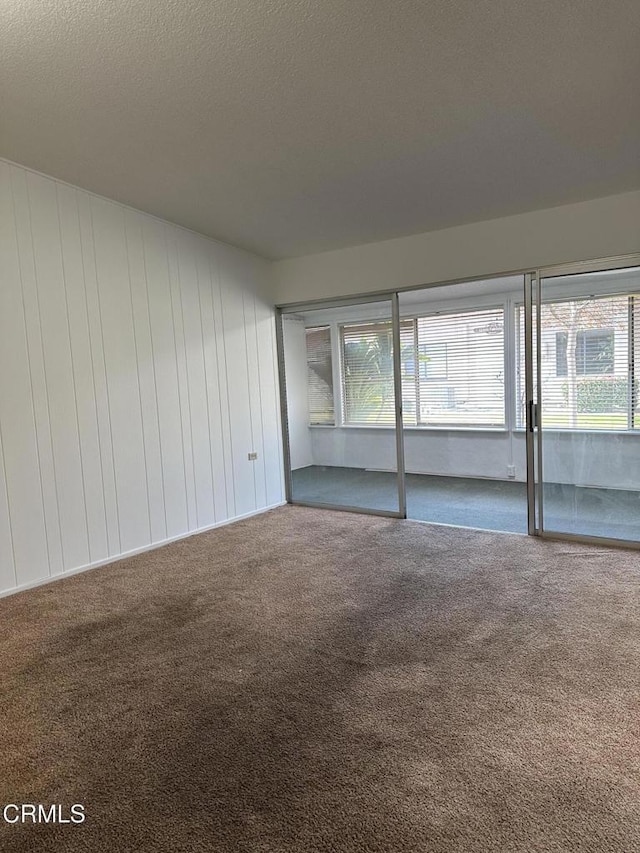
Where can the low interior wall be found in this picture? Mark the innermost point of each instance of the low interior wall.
(599, 459)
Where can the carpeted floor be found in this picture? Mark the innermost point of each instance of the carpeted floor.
(317, 681)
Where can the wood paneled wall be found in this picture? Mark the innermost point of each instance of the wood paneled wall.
(137, 371)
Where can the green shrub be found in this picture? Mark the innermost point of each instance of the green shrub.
(600, 395)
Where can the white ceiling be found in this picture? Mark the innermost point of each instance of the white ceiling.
(295, 126)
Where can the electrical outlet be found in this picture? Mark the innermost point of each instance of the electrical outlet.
(511, 472)
(252, 456)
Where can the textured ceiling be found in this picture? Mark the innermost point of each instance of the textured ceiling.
(295, 126)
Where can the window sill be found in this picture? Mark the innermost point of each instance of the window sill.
(489, 430)
(412, 428)
(578, 431)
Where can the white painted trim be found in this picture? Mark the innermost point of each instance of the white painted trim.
(135, 551)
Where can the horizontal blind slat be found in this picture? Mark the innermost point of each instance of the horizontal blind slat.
(320, 376)
(461, 368)
(367, 370)
(585, 370)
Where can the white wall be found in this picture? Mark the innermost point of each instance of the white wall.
(137, 370)
(295, 360)
(455, 453)
(593, 229)
(602, 459)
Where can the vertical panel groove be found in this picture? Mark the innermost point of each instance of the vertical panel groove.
(246, 362)
(276, 373)
(226, 373)
(106, 378)
(135, 347)
(30, 369)
(46, 383)
(255, 332)
(213, 332)
(93, 371)
(73, 373)
(155, 379)
(206, 392)
(188, 389)
(173, 318)
(6, 495)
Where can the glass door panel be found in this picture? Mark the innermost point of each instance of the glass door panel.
(587, 376)
(341, 406)
(464, 443)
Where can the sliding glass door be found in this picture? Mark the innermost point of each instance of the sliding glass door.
(585, 418)
(464, 446)
(343, 405)
(515, 401)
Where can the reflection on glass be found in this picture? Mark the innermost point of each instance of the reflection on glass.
(465, 466)
(589, 399)
(341, 406)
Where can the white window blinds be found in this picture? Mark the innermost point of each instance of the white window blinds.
(455, 376)
(320, 376)
(452, 369)
(367, 373)
(587, 363)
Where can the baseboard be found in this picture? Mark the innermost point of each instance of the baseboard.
(144, 549)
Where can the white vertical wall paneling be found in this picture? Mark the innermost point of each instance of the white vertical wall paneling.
(277, 402)
(81, 361)
(237, 380)
(269, 389)
(8, 577)
(122, 378)
(24, 510)
(146, 374)
(194, 350)
(105, 463)
(82, 364)
(183, 383)
(221, 358)
(166, 376)
(137, 369)
(214, 401)
(35, 356)
(255, 403)
(59, 372)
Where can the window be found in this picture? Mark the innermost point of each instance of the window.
(452, 370)
(433, 361)
(367, 373)
(320, 376)
(594, 350)
(460, 379)
(453, 367)
(585, 386)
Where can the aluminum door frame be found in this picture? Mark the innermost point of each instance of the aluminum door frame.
(534, 429)
(392, 298)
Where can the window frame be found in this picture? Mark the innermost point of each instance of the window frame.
(572, 294)
(457, 310)
(581, 340)
(510, 302)
(341, 325)
(505, 306)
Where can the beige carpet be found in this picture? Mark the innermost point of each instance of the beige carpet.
(320, 681)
